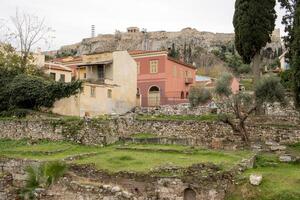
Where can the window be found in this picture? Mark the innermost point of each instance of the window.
(53, 76)
(109, 93)
(186, 74)
(138, 67)
(174, 71)
(62, 78)
(84, 75)
(93, 91)
(181, 74)
(154, 66)
(189, 74)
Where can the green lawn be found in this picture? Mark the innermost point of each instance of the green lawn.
(248, 84)
(139, 158)
(281, 181)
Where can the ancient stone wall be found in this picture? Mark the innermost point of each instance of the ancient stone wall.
(207, 181)
(100, 132)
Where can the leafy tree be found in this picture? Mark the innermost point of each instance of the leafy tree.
(292, 41)
(254, 21)
(287, 79)
(199, 95)
(27, 91)
(173, 52)
(28, 87)
(236, 108)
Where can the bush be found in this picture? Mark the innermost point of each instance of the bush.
(269, 90)
(34, 92)
(199, 95)
(42, 176)
(18, 113)
(223, 85)
(287, 79)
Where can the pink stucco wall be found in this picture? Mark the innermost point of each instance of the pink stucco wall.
(235, 85)
(170, 86)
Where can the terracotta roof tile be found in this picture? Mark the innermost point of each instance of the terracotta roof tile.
(57, 67)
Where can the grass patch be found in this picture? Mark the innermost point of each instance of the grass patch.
(281, 181)
(209, 117)
(248, 84)
(113, 159)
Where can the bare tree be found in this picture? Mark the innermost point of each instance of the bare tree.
(28, 31)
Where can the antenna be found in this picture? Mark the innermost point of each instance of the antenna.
(93, 31)
(145, 42)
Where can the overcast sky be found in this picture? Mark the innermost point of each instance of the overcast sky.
(72, 19)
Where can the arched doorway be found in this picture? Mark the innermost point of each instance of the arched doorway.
(182, 95)
(189, 194)
(154, 96)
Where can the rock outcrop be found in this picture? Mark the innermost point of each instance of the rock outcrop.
(157, 40)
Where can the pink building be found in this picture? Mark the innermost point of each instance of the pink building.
(162, 80)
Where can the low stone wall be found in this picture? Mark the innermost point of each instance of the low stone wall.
(207, 181)
(6, 186)
(180, 109)
(100, 132)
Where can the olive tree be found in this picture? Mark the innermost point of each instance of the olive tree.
(235, 109)
(199, 95)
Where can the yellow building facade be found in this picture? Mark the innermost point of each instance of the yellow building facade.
(110, 86)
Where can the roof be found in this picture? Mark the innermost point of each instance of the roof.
(202, 78)
(96, 63)
(55, 66)
(181, 63)
(141, 52)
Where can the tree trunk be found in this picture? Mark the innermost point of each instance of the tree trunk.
(256, 62)
(244, 133)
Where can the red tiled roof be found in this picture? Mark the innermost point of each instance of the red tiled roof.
(57, 67)
(181, 63)
(138, 52)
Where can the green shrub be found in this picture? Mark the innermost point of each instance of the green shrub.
(287, 79)
(42, 176)
(199, 95)
(269, 90)
(223, 85)
(18, 113)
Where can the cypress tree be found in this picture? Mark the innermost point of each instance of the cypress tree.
(295, 53)
(254, 22)
(292, 42)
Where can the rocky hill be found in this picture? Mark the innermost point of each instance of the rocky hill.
(200, 43)
(149, 41)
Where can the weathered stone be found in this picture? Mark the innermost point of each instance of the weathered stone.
(278, 148)
(116, 189)
(255, 179)
(285, 158)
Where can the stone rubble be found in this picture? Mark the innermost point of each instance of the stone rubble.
(255, 179)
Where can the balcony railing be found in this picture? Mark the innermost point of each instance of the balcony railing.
(96, 81)
(189, 80)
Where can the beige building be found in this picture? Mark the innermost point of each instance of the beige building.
(110, 86)
(58, 72)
